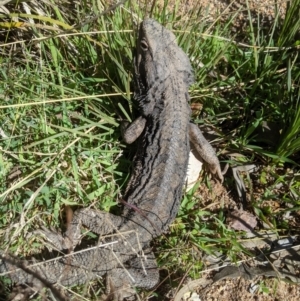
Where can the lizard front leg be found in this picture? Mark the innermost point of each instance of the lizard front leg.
(205, 150)
(131, 131)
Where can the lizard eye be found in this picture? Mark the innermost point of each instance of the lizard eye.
(144, 45)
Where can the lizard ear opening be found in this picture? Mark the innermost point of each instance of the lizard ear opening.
(144, 45)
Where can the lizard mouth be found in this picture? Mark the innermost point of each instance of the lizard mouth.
(140, 73)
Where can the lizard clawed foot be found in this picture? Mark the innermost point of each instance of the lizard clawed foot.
(216, 170)
(114, 293)
(55, 239)
(202, 148)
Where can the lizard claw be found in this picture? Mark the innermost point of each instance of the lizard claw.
(56, 240)
(115, 293)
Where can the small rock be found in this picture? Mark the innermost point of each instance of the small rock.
(242, 220)
(253, 288)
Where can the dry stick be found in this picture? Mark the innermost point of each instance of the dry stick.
(79, 25)
(56, 292)
(3, 2)
(183, 278)
(138, 210)
(73, 29)
(56, 258)
(112, 7)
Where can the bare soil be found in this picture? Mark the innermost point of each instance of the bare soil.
(267, 289)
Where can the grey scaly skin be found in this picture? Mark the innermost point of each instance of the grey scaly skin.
(163, 74)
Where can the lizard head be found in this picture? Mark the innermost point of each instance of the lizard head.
(157, 56)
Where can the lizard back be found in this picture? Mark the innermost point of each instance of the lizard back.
(163, 74)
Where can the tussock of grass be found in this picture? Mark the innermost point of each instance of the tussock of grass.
(64, 90)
